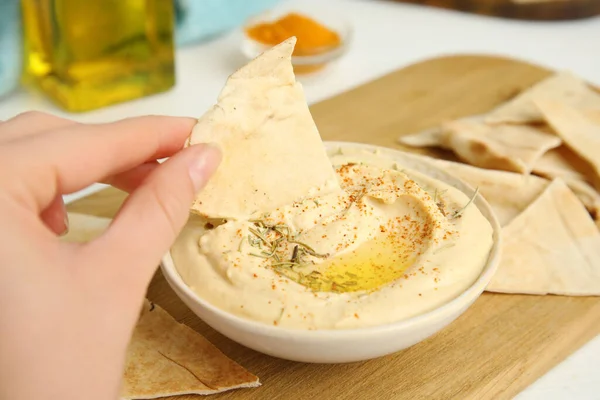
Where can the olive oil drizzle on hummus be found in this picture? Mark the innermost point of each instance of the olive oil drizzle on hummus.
(381, 259)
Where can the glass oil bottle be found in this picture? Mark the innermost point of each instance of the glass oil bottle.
(87, 54)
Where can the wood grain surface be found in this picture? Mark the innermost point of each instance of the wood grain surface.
(499, 346)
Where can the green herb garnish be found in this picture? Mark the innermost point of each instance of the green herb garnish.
(258, 255)
(260, 236)
(458, 213)
(269, 238)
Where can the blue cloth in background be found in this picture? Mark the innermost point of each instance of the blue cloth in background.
(199, 20)
(10, 45)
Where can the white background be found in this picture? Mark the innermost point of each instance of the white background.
(388, 36)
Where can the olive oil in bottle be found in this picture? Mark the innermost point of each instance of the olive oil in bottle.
(90, 54)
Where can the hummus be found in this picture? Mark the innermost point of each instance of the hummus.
(390, 244)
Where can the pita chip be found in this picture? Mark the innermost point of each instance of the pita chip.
(593, 115)
(553, 247)
(508, 193)
(432, 137)
(587, 195)
(84, 228)
(272, 151)
(580, 133)
(166, 358)
(565, 164)
(505, 147)
(562, 86)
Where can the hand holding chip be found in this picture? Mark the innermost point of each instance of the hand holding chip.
(69, 309)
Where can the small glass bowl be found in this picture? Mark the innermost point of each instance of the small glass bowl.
(303, 64)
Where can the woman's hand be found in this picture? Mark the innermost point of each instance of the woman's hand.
(67, 310)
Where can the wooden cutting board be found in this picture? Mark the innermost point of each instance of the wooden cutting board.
(499, 346)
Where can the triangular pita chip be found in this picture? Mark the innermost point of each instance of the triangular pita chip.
(84, 228)
(553, 247)
(508, 193)
(505, 147)
(593, 115)
(565, 164)
(166, 358)
(432, 137)
(272, 152)
(562, 86)
(587, 195)
(578, 132)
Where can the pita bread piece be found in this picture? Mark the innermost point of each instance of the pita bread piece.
(587, 195)
(508, 193)
(166, 358)
(505, 147)
(84, 228)
(563, 163)
(272, 152)
(593, 115)
(562, 86)
(553, 247)
(578, 132)
(432, 137)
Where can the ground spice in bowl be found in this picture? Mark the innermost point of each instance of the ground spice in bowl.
(313, 37)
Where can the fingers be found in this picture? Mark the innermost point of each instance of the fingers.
(152, 217)
(130, 180)
(55, 216)
(31, 123)
(72, 158)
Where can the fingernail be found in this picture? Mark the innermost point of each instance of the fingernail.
(204, 165)
(65, 220)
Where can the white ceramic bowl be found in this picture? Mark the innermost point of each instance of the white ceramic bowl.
(346, 345)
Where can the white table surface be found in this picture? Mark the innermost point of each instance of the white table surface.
(387, 36)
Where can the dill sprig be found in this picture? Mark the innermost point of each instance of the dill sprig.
(458, 213)
(261, 237)
(258, 255)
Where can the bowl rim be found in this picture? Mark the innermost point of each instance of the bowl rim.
(167, 266)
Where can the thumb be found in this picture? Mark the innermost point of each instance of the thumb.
(153, 215)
